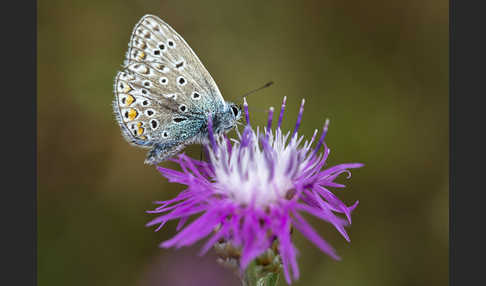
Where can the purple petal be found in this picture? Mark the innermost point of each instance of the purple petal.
(326, 215)
(181, 223)
(299, 118)
(247, 114)
(198, 229)
(211, 241)
(210, 132)
(303, 227)
(178, 213)
(269, 120)
(340, 167)
(321, 140)
(282, 109)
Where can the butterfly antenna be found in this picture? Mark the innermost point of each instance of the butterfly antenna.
(260, 88)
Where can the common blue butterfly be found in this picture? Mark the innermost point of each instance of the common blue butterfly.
(164, 95)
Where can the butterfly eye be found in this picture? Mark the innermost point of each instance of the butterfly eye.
(235, 110)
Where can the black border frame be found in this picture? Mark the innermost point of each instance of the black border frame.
(467, 65)
(19, 174)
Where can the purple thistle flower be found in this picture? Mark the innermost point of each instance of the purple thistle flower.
(252, 191)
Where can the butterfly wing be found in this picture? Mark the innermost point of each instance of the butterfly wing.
(164, 93)
(154, 42)
(147, 119)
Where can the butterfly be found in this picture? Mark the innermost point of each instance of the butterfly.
(164, 95)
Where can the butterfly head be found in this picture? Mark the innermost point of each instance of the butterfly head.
(227, 119)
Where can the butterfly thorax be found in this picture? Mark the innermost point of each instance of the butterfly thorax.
(226, 120)
(223, 120)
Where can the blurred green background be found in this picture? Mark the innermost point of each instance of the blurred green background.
(378, 69)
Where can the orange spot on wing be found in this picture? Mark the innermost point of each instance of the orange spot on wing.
(130, 99)
(127, 89)
(132, 113)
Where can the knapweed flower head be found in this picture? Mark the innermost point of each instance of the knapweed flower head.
(253, 190)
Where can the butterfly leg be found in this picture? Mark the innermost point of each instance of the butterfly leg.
(162, 152)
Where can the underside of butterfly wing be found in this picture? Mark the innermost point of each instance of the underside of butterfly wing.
(163, 94)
